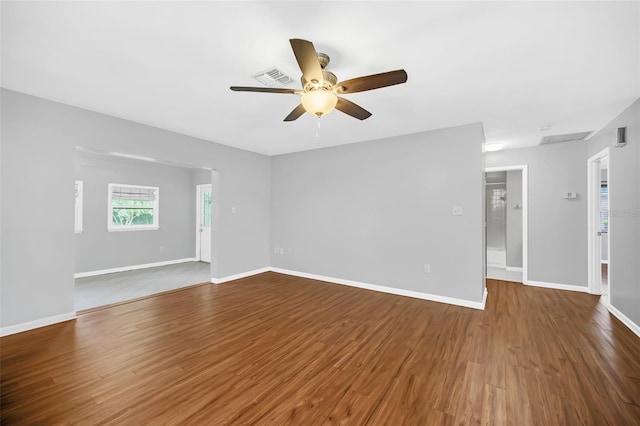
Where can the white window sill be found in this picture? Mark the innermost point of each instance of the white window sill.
(134, 228)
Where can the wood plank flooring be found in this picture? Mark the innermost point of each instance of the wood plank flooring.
(274, 349)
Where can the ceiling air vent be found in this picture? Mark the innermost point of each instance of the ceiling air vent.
(570, 137)
(273, 77)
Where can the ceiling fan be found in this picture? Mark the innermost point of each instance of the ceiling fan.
(320, 87)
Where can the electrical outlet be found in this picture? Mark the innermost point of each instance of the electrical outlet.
(161, 248)
(427, 268)
(457, 211)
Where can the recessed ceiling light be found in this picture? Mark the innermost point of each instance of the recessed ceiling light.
(493, 146)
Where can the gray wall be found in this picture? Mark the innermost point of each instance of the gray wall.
(557, 227)
(376, 212)
(38, 151)
(624, 211)
(38, 247)
(199, 177)
(514, 218)
(97, 249)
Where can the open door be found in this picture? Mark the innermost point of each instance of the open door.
(506, 223)
(203, 223)
(598, 223)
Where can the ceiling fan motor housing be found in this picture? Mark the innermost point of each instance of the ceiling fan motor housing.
(329, 80)
(323, 59)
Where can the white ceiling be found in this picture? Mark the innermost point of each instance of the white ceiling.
(513, 66)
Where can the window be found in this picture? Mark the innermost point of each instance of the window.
(206, 214)
(78, 214)
(604, 208)
(132, 207)
(498, 199)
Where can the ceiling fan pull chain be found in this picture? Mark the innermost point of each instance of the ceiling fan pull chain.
(318, 129)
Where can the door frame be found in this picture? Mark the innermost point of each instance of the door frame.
(199, 189)
(594, 242)
(525, 214)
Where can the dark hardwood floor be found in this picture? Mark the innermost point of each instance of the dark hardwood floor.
(274, 349)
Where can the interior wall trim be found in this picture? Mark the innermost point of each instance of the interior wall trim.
(240, 275)
(625, 320)
(556, 286)
(390, 290)
(42, 322)
(132, 267)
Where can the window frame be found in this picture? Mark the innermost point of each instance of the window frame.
(120, 228)
(79, 201)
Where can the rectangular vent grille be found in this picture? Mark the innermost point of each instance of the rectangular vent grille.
(273, 77)
(570, 137)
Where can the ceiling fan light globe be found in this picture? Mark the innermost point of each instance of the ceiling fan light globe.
(319, 102)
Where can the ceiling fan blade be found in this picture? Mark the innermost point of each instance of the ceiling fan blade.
(370, 82)
(307, 60)
(296, 113)
(264, 90)
(352, 109)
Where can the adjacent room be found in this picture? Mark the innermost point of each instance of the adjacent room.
(505, 227)
(158, 220)
(320, 212)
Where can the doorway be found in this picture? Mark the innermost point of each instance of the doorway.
(598, 185)
(112, 267)
(203, 222)
(506, 223)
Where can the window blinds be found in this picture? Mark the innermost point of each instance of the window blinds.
(133, 193)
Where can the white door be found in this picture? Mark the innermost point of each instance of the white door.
(203, 223)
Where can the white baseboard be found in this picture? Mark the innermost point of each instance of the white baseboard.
(17, 328)
(496, 258)
(484, 299)
(30, 325)
(557, 286)
(514, 268)
(625, 320)
(132, 267)
(391, 290)
(240, 275)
